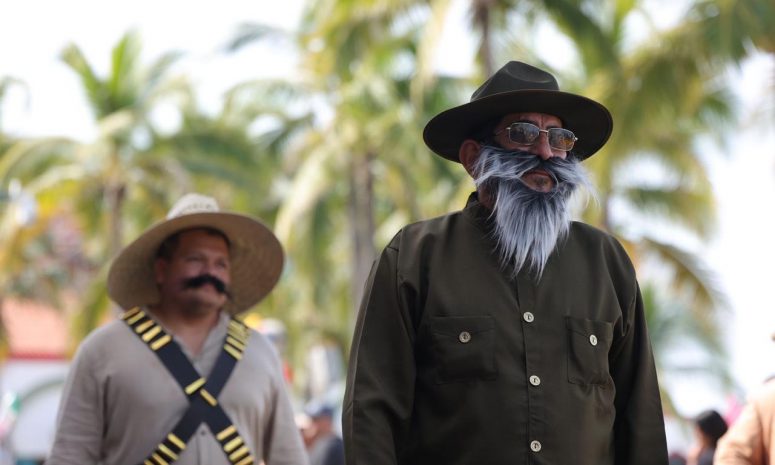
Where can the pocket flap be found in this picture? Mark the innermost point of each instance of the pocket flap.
(454, 325)
(586, 328)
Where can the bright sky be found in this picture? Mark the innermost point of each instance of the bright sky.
(33, 32)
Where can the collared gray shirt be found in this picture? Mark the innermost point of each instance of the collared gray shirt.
(454, 362)
(119, 402)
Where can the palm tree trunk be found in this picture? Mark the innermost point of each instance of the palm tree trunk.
(361, 212)
(115, 197)
(482, 23)
(114, 202)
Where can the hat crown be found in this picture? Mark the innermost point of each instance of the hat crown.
(516, 75)
(193, 203)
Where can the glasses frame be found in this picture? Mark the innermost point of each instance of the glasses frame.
(547, 131)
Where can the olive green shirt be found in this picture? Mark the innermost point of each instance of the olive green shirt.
(453, 362)
(119, 402)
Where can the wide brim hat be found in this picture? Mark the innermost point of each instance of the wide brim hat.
(519, 88)
(256, 255)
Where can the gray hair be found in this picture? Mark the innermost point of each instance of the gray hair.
(528, 224)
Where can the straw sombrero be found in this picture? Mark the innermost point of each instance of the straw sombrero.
(518, 88)
(255, 253)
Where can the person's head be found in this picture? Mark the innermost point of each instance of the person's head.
(192, 271)
(198, 260)
(710, 426)
(522, 140)
(321, 416)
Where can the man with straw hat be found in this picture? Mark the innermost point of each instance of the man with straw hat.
(178, 379)
(506, 333)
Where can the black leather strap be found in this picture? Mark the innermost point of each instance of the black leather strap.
(202, 393)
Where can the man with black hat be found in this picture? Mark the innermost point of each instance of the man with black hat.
(506, 333)
(178, 379)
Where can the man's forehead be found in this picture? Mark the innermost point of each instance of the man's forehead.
(541, 119)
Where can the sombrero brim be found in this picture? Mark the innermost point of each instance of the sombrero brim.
(255, 253)
(589, 120)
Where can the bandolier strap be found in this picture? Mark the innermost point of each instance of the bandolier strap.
(202, 393)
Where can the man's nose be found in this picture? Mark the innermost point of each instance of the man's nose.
(208, 267)
(542, 147)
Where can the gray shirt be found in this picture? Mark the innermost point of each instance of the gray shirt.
(119, 402)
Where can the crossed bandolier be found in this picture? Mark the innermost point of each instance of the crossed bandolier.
(202, 393)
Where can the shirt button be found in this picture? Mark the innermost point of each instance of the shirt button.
(535, 446)
(593, 340)
(527, 316)
(535, 380)
(464, 337)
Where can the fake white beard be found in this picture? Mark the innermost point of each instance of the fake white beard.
(528, 224)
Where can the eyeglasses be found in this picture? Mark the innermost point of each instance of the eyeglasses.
(528, 133)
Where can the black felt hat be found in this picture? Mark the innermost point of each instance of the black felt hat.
(518, 88)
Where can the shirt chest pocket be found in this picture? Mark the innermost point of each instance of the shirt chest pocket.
(588, 344)
(463, 348)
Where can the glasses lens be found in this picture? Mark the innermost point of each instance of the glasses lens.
(524, 133)
(561, 139)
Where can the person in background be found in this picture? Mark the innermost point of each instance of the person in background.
(750, 440)
(709, 426)
(178, 379)
(324, 446)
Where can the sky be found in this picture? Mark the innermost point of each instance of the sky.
(741, 254)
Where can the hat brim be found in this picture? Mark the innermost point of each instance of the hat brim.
(589, 120)
(256, 258)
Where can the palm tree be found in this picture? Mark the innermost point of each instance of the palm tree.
(40, 255)
(370, 130)
(121, 103)
(674, 333)
(111, 179)
(28, 247)
(142, 169)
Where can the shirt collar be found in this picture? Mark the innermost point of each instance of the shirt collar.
(478, 213)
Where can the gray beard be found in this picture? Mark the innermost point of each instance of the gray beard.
(528, 224)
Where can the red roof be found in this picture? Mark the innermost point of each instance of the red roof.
(35, 331)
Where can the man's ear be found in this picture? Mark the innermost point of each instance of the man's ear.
(468, 154)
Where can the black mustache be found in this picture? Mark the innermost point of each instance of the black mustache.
(201, 280)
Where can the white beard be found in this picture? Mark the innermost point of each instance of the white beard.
(528, 224)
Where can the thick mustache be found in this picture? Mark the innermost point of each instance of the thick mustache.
(201, 280)
(525, 162)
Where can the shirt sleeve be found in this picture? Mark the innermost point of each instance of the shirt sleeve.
(381, 376)
(743, 444)
(80, 420)
(639, 429)
(282, 439)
